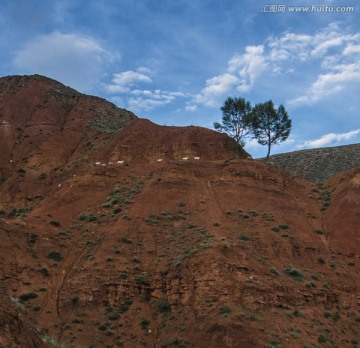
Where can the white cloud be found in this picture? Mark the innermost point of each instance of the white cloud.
(149, 100)
(282, 55)
(338, 53)
(248, 66)
(127, 84)
(330, 61)
(299, 100)
(330, 83)
(300, 47)
(122, 82)
(241, 74)
(323, 47)
(334, 51)
(191, 107)
(75, 60)
(277, 70)
(143, 70)
(289, 46)
(329, 139)
(252, 145)
(294, 47)
(351, 49)
(216, 87)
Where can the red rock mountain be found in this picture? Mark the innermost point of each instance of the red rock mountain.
(104, 245)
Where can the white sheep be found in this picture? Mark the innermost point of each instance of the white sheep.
(104, 164)
(59, 185)
(197, 158)
(110, 163)
(120, 162)
(185, 158)
(159, 160)
(97, 163)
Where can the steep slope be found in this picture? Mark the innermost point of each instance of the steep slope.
(184, 252)
(47, 126)
(48, 130)
(17, 329)
(343, 214)
(209, 252)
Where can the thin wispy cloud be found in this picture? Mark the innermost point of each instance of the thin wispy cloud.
(127, 88)
(351, 49)
(124, 81)
(337, 55)
(289, 46)
(332, 82)
(149, 100)
(329, 139)
(79, 61)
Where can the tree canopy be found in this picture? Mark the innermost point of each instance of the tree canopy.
(269, 125)
(236, 119)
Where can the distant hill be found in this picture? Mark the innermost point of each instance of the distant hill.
(317, 165)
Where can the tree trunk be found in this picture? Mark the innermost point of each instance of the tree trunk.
(268, 153)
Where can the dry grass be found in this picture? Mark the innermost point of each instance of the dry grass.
(317, 165)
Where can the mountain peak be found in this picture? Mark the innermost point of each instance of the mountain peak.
(39, 114)
(15, 82)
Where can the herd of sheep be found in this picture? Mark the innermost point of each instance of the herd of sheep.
(122, 162)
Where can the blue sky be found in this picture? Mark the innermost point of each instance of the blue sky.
(175, 62)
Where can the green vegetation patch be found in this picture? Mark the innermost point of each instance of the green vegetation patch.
(21, 212)
(55, 255)
(294, 273)
(28, 296)
(142, 279)
(225, 310)
(284, 227)
(144, 323)
(163, 306)
(109, 119)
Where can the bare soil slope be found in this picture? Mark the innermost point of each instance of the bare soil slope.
(206, 252)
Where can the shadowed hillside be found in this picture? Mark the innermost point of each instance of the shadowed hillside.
(317, 165)
(133, 234)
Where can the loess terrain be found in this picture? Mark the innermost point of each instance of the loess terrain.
(220, 251)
